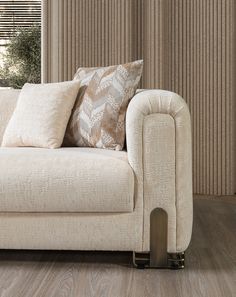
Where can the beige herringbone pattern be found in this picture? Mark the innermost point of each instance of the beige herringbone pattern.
(98, 119)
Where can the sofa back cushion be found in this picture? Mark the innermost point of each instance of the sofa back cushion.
(8, 100)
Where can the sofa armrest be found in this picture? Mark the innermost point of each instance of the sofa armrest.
(158, 130)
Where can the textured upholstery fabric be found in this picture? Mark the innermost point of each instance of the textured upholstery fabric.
(41, 115)
(71, 231)
(98, 119)
(8, 100)
(159, 151)
(65, 180)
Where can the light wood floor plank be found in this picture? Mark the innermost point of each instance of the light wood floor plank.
(210, 266)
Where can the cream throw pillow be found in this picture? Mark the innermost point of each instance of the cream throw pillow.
(98, 118)
(41, 115)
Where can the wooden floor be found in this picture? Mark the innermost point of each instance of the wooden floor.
(210, 268)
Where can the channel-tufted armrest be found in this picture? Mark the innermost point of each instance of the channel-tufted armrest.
(158, 132)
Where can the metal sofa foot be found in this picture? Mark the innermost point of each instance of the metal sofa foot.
(158, 256)
(174, 261)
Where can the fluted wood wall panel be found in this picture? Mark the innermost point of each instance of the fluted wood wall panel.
(88, 33)
(201, 68)
(188, 46)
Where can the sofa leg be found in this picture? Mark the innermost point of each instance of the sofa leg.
(158, 238)
(174, 261)
(158, 256)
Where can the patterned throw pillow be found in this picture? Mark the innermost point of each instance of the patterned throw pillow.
(98, 117)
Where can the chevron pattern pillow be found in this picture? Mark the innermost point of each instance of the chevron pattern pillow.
(98, 117)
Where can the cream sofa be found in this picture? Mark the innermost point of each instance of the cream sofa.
(139, 199)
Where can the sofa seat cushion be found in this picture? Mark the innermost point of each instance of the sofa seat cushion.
(65, 180)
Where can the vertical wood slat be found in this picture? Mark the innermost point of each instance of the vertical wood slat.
(44, 45)
(88, 33)
(188, 47)
(207, 86)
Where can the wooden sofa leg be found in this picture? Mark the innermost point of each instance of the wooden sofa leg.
(158, 256)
